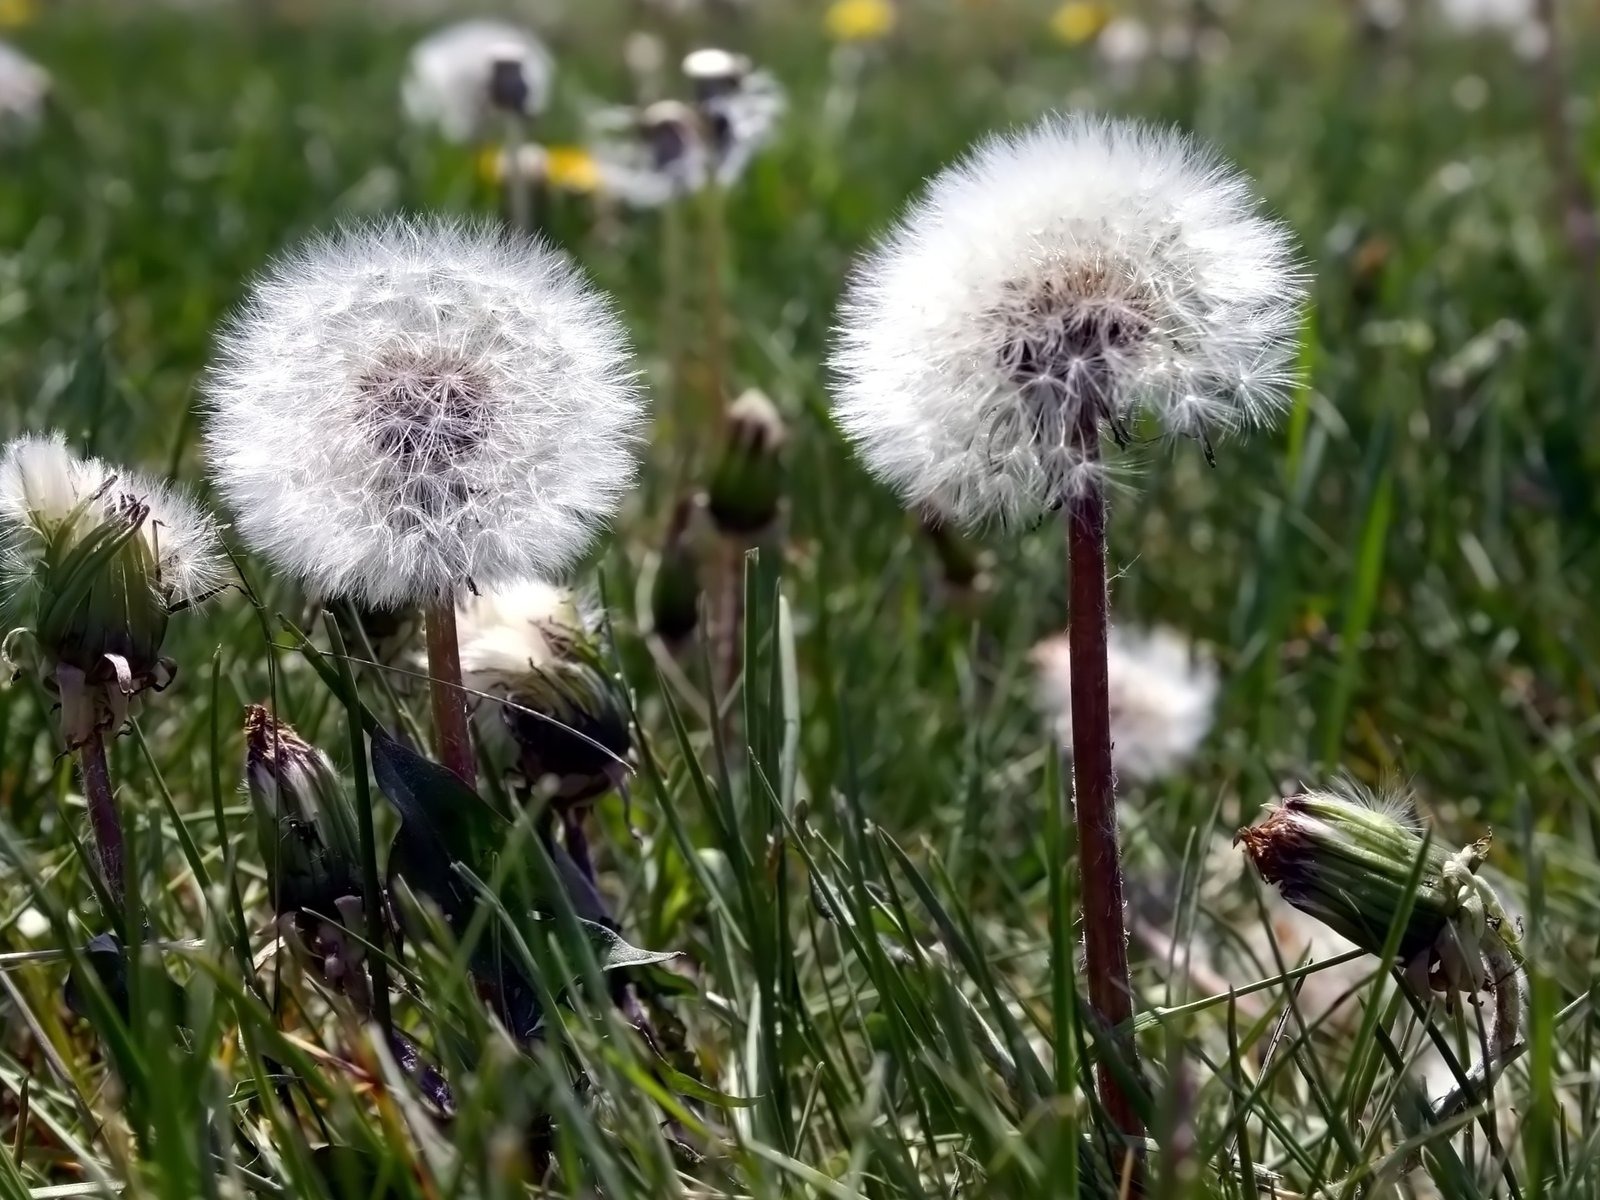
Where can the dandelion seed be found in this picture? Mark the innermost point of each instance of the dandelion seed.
(458, 78)
(405, 411)
(24, 90)
(548, 711)
(1162, 698)
(1086, 270)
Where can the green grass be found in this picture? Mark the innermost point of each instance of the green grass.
(872, 998)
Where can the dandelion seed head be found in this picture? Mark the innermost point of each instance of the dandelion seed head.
(460, 76)
(1086, 269)
(1162, 698)
(402, 412)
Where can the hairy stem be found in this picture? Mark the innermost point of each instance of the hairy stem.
(104, 819)
(518, 187)
(1094, 782)
(450, 725)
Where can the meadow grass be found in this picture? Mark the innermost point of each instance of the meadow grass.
(864, 869)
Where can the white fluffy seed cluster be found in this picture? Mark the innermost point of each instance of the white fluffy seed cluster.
(1162, 693)
(43, 485)
(24, 88)
(450, 78)
(1084, 270)
(407, 410)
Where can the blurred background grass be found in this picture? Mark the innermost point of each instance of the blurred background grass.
(1398, 583)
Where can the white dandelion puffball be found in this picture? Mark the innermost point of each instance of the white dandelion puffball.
(1086, 270)
(460, 76)
(24, 88)
(404, 411)
(1163, 697)
(44, 486)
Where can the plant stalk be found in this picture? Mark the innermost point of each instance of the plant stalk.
(450, 717)
(104, 818)
(1094, 781)
(518, 187)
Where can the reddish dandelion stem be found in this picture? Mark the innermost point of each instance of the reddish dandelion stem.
(1094, 782)
(450, 722)
(104, 819)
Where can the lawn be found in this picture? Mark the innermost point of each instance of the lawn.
(829, 944)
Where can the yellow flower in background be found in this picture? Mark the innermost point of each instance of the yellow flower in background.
(859, 20)
(1078, 21)
(16, 13)
(491, 162)
(571, 169)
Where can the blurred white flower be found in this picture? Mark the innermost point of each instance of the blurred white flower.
(1516, 20)
(405, 410)
(648, 156)
(460, 76)
(1085, 271)
(1163, 696)
(24, 88)
(542, 704)
(1124, 43)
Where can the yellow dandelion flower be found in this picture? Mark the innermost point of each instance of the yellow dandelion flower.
(571, 169)
(16, 13)
(859, 20)
(1078, 21)
(491, 162)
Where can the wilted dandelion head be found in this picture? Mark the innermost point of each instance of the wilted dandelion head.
(542, 703)
(1162, 695)
(461, 75)
(24, 88)
(407, 410)
(1083, 273)
(93, 562)
(50, 495)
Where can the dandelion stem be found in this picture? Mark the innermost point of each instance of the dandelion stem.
(103, 816)
(1094, 782)
(518, 187)
(449, 696)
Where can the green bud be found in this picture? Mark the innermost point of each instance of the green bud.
(675, 590)
(747, 485)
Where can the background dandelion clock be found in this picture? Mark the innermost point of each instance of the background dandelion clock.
(1056, 286)
(406, 412)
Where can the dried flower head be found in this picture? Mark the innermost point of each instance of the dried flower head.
(406, 410)
(24, 89)
(1358, 862)
(460, 76)
(94, 562)
(1079, 274)
(1162, 698)
(548, 709)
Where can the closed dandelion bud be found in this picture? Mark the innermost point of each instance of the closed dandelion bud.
(675, 591)
(712, 72)
(747, 485)
(308, 831)
(962, 561)
(543, 705)
(508, 87)
(96, 561)
(1352, 861)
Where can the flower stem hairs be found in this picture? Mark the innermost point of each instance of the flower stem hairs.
(1060, 285)
(403, 413)
(95, 561)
